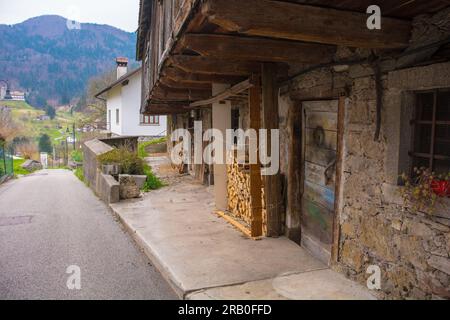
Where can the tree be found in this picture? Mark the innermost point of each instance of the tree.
(38, 100)
(45, 144)
(28, 150)
(51, 112)
(95, 109)
(8, 128)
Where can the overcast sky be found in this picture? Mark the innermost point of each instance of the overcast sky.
(122, 14)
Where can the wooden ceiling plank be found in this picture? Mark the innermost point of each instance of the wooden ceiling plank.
(284, 20)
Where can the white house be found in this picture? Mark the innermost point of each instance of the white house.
(18, 96)
(123, 101)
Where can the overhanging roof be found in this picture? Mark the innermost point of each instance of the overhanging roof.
(119, 81)
(226, 41)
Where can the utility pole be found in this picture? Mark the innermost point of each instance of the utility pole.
(73, 132)
(4, 159)
(66, 154)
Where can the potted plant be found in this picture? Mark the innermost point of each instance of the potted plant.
(425, 190)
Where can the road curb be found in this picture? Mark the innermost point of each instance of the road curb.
(152, 256)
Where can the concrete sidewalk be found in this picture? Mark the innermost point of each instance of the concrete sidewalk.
(203, 257)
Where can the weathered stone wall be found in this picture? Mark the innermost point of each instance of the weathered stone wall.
(412, 249)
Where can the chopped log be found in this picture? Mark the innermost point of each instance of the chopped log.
(239, 195)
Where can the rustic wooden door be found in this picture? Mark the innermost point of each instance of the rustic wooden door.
(319, 175)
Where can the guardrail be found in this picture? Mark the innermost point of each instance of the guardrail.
(6, 163)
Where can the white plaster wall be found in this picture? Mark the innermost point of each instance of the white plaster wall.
(113, 102)
(128, 99)
(221, 120)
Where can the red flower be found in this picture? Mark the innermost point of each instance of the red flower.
(441, 187)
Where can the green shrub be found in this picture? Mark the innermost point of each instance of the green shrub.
(129, 161)
(111, 157)
(79, 173)
(77, 156)
(152, 182)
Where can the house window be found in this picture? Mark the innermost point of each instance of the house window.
(151, 120)
(431, 131)
(117, 116)
(109, 119)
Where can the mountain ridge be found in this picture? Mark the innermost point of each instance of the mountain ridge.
(53, 63)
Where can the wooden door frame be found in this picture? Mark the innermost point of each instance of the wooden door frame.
(339, 172)
(339, 179)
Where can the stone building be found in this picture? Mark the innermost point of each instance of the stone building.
(356, 108)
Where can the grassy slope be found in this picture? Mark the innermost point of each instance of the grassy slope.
(17, 167)
(25, 115)
(143, 145)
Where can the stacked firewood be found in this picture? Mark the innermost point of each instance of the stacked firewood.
(264, 210)
(239, 198)
(238, 186)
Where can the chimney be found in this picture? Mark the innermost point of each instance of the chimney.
(122, 67)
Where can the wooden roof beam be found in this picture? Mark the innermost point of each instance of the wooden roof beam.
(284, 20)
(257, 49)
(160, 108)
(162, 93)
(233, 91)
(177, 74)
(181, 84)
(203, 65)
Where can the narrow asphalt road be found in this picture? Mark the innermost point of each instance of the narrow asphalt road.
(50, 221)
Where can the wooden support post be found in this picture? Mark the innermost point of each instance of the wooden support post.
(338, 190)
(255, 169)
(294, 185)
(271, 122)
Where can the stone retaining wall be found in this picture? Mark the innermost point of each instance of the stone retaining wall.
(105, 186)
